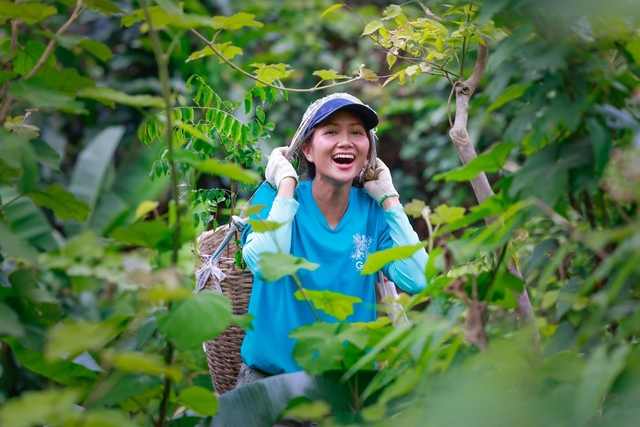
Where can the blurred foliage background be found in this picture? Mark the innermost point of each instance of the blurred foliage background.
(96, 304)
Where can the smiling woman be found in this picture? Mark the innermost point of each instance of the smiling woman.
(334, 217)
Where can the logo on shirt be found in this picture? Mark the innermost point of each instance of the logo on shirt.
(361, 247)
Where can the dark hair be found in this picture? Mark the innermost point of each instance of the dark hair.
(307, 169)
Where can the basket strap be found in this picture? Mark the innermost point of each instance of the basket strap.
(210, 267)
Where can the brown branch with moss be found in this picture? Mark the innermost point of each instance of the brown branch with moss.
(481, 187)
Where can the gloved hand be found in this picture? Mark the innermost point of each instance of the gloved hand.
(380, 186)
(279, 168)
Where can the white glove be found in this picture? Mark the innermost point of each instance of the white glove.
(279, 168)
(380, 186)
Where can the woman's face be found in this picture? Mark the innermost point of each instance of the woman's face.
(338, 148)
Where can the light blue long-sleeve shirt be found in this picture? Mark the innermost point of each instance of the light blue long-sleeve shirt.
(341, 253)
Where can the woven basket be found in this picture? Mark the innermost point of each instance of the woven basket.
(223, 353)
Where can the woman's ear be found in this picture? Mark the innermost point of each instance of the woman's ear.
(306, 150)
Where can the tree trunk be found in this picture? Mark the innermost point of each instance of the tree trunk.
(481, 187)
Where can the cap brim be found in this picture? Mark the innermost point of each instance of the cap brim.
(363, 112)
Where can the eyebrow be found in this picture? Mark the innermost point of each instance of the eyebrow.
(337, 124)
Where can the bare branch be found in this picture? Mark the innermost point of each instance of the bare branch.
(481, 65)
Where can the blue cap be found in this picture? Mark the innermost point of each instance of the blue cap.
(363, 112)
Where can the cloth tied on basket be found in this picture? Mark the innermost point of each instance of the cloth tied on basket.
(210, 268)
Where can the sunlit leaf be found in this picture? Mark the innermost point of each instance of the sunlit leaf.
(334, 304)
(144, 208)
(633, 47)
(130, 361)
(331, 9)
(329, 75)
(199, 400)
(379, 259)
(239, 20)
(391, 12)
(372, 27)
(414, 208)
(104, 6)
(262, 226)
(491, 161)
(444, 214)
(191, 322)
(63, 204)
(29, 13)
(276, 266)
(226, 49)
(71, 339)
(309, 411)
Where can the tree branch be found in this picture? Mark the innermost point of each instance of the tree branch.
(257, 79)
(481, 187)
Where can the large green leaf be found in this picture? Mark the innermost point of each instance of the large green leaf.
(491, 161)
(276, 266)
(9, 322)
(95, 48)
(61, 371)
(35, 303)
(63, 204)
(633, 47)
(379, 259)
(226, 49)
(29, 13)
(237, 21)
(33, 408)
(334, 304)
(68, 81)
(110, 97)
(91, 167)
(199, 400)
(12, 246)
(514, 92)
(128, 386)
(191, 322)
(160, 19)
(72, 338)
(214, 167)
(37, 94)
(321, 346)
(27, 222)
(45, 154)
(260, 403)
(131, 361)
(18, 155)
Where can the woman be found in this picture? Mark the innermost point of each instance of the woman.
(328, 221)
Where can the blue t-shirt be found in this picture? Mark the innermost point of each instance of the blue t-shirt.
(341, 254)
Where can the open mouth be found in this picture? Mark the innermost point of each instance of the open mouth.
(344, 159)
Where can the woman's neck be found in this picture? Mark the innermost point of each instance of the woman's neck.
(332, 200)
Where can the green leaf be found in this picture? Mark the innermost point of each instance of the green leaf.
(391, 12)
(65, 372)
(170, 6)
(97, 49)
(18, 154)
(63, 204)
(510, 94)
(191, 322)
(36, 94)
(105, 6)
(226, 49)
(446, 215)
(276, 266)
(13, 246)
(23, 130)
(309, 411)
(415, 208)
(130, 361)
(633, 47)
(32, 408)
(29, 13)
(321, 346)
(334, 304)
(237, 21)
(103, 418)
(29, 57)
(109, 97)
(331, 9)
(66, 81)
(144, 208)
(128, 386)
(491, 161)
(146, 234)
(379, 259)
(329, 75)
(372, 27)
(262, 226)
(230, 170)
(71, 339)
(45, 154)
(601, 369)
(269, 74)
(9, 322)
(199, 400)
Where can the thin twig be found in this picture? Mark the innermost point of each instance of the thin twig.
(10, 201)
(262, 82)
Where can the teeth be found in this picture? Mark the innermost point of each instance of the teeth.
(343, 156)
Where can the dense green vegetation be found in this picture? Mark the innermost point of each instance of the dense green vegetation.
(129, 127)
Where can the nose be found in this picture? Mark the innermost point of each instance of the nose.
(345, 139)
